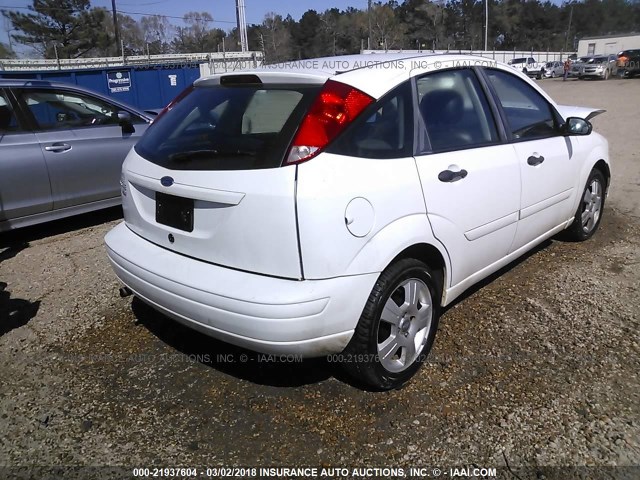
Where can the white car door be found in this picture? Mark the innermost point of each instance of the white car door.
(470, 176)
(548, 167)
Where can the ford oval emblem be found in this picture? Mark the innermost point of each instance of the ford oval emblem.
(166, 181)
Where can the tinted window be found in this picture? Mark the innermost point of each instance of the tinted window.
(61, 109)
(455, 110)
(385, 130)
(8, 122)
(227, 128)
(528, 113)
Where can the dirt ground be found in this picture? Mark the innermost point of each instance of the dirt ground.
(537, 366)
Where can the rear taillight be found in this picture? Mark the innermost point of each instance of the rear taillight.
(173, 102)
(336, 106)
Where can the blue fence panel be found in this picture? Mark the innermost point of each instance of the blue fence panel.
(145, 88)
(97, 83)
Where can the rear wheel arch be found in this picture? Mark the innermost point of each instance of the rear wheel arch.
(430, 256)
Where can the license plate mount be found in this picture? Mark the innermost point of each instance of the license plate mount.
(173, 211)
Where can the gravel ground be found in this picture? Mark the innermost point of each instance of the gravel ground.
(537, 366)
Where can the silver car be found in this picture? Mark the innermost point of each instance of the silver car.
(578, 65)
(553, 69)
(601, 66)
(61, 150)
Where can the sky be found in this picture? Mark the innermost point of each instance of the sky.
(222, 11)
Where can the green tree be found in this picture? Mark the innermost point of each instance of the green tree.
(131, 35)
(70, 26)
(275, 39)
(157, 33)
(5, 52)
(197, 35)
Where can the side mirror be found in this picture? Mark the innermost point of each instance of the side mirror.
(577, 126)
(124, 119)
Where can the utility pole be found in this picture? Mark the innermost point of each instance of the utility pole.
(566, 38)
(486, 23)
(369, 17)
(115, 23)
(242, 25)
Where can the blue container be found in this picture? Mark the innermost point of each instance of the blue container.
(144, 87)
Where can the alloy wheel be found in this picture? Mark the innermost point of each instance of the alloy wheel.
(404, 325)
(592, 205)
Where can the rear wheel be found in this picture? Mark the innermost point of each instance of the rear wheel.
(589, 211)
(397, 326)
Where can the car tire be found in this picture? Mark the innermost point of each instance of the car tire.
(553, 74)
(384, 353)
(589, 212)
(606, 75)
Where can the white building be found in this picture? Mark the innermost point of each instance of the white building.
(607, 44)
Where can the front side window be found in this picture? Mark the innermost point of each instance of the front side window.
(455, 110)
(8, 121)
(528, 113)
(237, 127)
(384, 131)
(62, 110)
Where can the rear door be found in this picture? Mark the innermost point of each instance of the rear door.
(470, 177)
(206, 180)
(24, 180)
(82, 142)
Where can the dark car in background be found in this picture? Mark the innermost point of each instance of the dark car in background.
(61, 150)
(629, 62)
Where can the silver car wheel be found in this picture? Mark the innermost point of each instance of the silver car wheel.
(592, 205)
(404, 324)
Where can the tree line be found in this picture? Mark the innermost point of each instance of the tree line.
(73, 28)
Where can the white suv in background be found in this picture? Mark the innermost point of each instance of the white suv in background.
(320, 212)
(529, 66)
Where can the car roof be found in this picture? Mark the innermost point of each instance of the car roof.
(34, 83)
(387, 69)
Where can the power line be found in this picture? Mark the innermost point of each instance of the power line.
(171, 16)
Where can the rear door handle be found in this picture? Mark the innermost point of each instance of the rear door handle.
(58, 147)
(452, 176)
(534, 160)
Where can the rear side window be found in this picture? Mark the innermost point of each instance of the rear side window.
(385, 130)
(455, 110)
(227, 128)
(528, 113)
(8, 122)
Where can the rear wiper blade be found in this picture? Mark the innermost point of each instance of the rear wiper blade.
(193, 154)
(190, 155)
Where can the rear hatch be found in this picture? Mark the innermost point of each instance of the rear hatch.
(207, 180)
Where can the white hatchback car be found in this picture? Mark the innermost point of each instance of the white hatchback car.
(335, 210)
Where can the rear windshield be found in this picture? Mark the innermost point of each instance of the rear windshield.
(227, 128)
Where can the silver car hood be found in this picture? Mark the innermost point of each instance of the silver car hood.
(582, 112)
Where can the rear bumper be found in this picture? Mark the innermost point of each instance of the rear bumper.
(272, 315)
